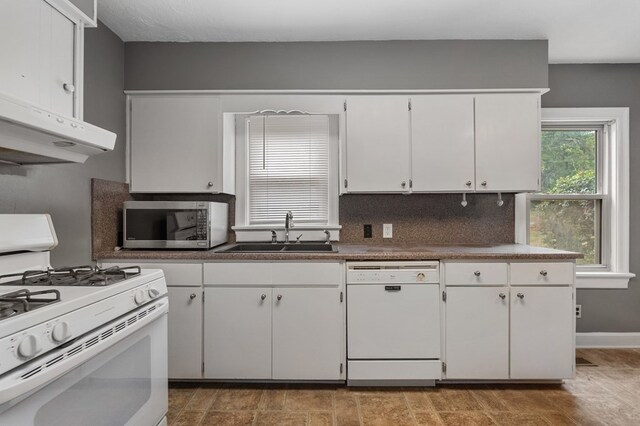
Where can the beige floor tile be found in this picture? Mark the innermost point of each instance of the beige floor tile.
(202, 399)
(346, 409)
(559, 419)
(449, 399)
(237, 399)
(519, 419)
(189, 418)
(320, 418)
(427, 418)
(228, 418)
(466, 418)
(383, 409)
(280, 418)
(418, 400)
(273, 399)
(309, 400)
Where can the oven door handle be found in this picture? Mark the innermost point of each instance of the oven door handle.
(37, 373)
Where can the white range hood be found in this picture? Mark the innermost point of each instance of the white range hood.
(31, 135)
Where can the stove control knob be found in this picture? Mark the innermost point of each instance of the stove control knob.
(29, 347)
(60, 332)
(153, 293)
(139, 297)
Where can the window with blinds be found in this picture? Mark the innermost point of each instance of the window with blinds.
(288, 168)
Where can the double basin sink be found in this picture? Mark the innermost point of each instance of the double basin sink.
(279, 247)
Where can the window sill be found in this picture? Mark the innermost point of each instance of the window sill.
(603, 280)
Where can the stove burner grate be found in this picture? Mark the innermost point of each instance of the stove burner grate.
(81, 276)
(21, 301)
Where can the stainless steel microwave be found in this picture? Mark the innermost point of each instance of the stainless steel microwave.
(174, 224)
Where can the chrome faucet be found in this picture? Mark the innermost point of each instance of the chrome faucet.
(274, 237)
(288, 223)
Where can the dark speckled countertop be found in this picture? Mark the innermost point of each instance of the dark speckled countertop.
(358, 252)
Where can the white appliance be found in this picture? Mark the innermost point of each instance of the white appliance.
(32, 135)
(78, 346)
(393, 323)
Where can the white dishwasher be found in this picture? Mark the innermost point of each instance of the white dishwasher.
(393, 323)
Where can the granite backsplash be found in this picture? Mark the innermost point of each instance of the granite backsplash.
(417, 218)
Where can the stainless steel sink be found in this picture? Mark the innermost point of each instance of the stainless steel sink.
(279, 247)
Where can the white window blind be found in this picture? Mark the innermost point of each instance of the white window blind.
(288, 168)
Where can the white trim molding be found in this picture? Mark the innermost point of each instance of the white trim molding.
(607, 340)
(616, 274)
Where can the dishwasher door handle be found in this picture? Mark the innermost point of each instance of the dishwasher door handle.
(392, 288)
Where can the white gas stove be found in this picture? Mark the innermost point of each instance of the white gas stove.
(77, 344)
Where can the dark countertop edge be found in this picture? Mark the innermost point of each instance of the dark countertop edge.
(349, 253)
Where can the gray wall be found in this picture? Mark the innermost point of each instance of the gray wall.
(85, 6)
(451, 64)
(64, 190)
(615, 85)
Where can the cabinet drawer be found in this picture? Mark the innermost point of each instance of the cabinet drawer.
(476, 274)
(542, 273)
(310, 273)
(237, 273)
(176, 274)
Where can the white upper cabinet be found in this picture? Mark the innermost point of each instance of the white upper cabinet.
(175, 145)
(41, 46)
(377, 144)
(442, 144)
(508, 142)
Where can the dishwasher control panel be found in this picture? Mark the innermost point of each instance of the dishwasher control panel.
(418, 272)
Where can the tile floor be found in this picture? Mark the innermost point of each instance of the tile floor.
(606, 394)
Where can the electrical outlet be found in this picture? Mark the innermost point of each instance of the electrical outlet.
(387, 230)
(578, 311)
(368, 231)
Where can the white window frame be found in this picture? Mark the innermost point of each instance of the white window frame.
(615, 156)
(246, 232)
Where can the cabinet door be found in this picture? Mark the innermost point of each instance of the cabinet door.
(442, 143)
(62, 41)
(542, 333)
(237, 333)
(22, 23)
(308, 332)
(508, 142)
(185, 332)
(477, 333)
(174, 143)
(378, 144)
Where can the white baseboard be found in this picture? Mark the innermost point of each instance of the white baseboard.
(607, 340)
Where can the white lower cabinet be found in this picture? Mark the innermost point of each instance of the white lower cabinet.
(307, 334)
(185, 332)
(237, 340)
(477, 333)
(523, 332)
(542, 332)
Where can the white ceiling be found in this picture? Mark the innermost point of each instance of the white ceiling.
(579, 31)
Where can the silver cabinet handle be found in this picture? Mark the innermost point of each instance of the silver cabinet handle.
(263, 296)
(468, 183)
(483, 183)
(520, 296)
(476, 273)
(69, 88)
(192, 296)
(210, 184)
(279, 297)
(543, 273)
(502, 296)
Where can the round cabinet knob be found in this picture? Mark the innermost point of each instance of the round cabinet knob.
(403, 184)
(153, 293)
(468, 183)
(476, 273)
(192, 296)
(520, 296)
(60, 332)
(543, 273)
(29, 346)
(139, 297)
(279, 297)
(69, 88)
(210, 184)
(483, 183)
(264, 296)
(420, 276)
(502, 296)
